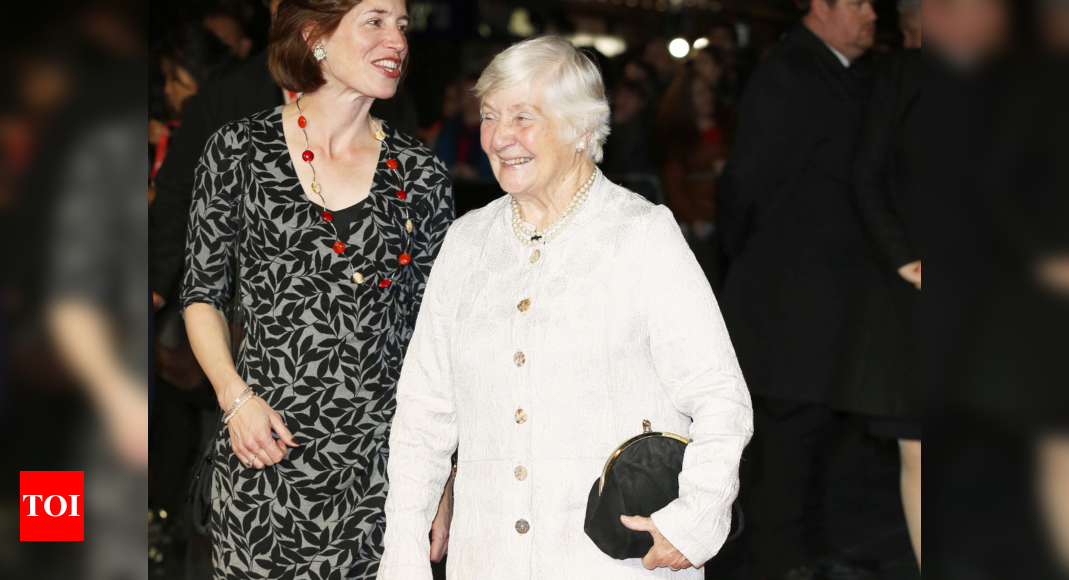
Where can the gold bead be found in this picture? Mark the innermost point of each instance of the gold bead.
(315, 187)
(409, 226)
(524, 305)
(358, 277)
(380, 135)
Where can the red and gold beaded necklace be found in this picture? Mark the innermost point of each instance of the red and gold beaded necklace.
(339, 246)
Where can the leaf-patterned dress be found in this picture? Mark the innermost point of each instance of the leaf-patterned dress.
(322, 350)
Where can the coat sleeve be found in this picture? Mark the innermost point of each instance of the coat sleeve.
(423, 435)
(770, 143)
(696, 364)
(210, 237)
(871, 173)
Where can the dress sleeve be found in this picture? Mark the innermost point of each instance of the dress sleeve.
(696, 364)
(438, 212)
(213, 219)
(423, 435)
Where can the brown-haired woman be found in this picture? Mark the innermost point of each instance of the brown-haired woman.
(692, 138)
(335, 220)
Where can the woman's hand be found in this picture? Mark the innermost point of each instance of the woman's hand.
(440, 525)
(250, 434)
(663, 553)
(911, 273)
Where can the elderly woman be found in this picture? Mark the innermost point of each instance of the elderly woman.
(334, 219)
(556, 320)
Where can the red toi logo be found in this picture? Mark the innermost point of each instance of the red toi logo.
(52, 504)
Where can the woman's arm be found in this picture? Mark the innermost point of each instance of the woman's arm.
(696, 364)
(423, 434)
(206, 287)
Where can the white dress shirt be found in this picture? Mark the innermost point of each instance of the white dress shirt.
(539, 362)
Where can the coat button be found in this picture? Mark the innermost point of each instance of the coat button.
(522, 527)
(521, 416)
(535, 255)
(519, 359)
(524, 305)
(521, 473)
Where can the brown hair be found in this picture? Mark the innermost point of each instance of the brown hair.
(289, 55)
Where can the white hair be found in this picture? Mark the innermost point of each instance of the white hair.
(570, 82)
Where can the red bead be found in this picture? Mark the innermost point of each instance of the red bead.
(339, 247)
(401, 194)
(385, 283)
(327, 216)
(404, 259)
(308, 156)
(301, 121)
(391, 163)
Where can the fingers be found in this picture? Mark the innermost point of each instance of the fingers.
(284, 434)
(638, 523)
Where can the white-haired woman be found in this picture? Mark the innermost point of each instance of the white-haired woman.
(556, 320)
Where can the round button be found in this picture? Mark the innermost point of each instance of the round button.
(521, 416)
(522, 527)
(521, 473)
(524, 305)
(519, 359)
(535, 255)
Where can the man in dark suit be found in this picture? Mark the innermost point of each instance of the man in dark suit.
(796, 247)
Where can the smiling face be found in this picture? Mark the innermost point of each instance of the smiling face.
(523, 143)
(366, 51)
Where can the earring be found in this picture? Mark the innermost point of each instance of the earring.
(581, 147)
(319, 52)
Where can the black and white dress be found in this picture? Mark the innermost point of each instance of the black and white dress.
(322, 350)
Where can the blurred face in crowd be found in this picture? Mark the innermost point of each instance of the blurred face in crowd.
(706, 67)
(704, 104)
(523, 142)
(909, 22)
(626, 104)
(965, 30)
(367, 49)
(722, 38)
(849, 25)
(229, 30)
(178, 84)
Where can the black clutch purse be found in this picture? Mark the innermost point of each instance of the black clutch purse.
(640, 477)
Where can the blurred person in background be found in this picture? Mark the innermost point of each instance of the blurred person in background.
(457, 144)
(229, 29)
(797, 249)
(692, 140)
(628, 150)
(723, 38)
(332, 219)
(882, 365)
(909, 22)
(189, 57)
(712, 66)
(656, 56)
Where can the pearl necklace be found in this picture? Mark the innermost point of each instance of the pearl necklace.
(339, 247)
(529, 236)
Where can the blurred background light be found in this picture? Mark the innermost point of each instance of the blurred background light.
(679, 47)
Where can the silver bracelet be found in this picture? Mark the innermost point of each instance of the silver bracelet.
(237, 405)
(238, 398)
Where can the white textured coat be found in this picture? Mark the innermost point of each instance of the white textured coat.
(622, 326)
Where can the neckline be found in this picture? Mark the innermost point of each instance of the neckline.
(593, 203)
(290, 169)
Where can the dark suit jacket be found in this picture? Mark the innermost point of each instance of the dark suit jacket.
(788, 218)
(246, 91)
